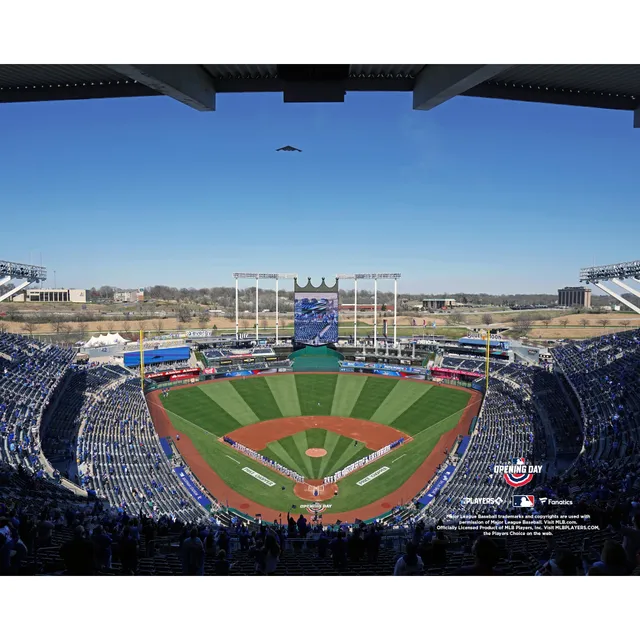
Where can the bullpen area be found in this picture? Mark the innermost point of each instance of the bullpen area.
(313, 425)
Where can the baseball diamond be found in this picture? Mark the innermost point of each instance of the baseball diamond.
(285, 416)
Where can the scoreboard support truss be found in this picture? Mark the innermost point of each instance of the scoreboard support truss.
(243, 275)
(375, 277)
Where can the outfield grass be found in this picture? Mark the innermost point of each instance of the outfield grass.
(423, 411)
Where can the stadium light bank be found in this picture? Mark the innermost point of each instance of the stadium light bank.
(260, 276)
(614, 273)
(375, 277)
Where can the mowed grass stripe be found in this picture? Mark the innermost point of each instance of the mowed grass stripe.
(348, 389)
(430, 409)
(198, 408)
(225, 395)
(315, 393)
(350, 454)
(300, 440)
(330, 443)
(315, 440)
(291, 447)
(277, 452)
(399, 399)
(338, 450)
(285, 393)
(257, 395)
(373, 393)
(356, 453)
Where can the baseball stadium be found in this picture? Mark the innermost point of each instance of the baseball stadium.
(323, 451)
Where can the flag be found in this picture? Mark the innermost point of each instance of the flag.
(424, 322)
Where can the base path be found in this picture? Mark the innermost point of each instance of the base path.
(227, 496)
(372, 434)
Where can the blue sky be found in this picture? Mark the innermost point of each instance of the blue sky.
(476, 195)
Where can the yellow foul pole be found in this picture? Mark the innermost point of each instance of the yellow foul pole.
(486, 367)
(142, 359)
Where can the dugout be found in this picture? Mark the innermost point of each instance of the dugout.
(316, 359)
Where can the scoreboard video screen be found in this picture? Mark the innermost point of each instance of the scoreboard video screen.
(316, 318)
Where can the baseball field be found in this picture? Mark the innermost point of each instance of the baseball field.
(314, 424)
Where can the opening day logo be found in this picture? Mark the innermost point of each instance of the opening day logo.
(518, 473)
(315, 508)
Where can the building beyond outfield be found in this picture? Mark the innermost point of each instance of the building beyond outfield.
(574, 297)
(52, 295)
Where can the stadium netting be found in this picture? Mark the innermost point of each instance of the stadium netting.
(316, 359)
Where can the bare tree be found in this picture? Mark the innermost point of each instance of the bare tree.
(203, 319)
(83, 327)
(111, 326)
(244, 323)
(184, 315)
(523, 323)
(57, 323)
(546, 322)
(487, 318)
(99, 328)
(65, 331)
(29, 326)
(454, 318)
(584, 322)
(264, 323)
(603, 323)
(625, 323)
(158, 324)
(564, 322)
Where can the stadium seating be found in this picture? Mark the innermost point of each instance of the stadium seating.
(94, 421)
(30, 372)
(102, 421)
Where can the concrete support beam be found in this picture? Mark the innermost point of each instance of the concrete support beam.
(18, 289)
(437, 83)
(4, 280)
(618, 297)
(187, 83)
(626, 287)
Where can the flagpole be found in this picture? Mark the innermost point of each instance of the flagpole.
(486, 370)
(142, 359)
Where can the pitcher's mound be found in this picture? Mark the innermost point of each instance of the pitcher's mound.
(316, 453)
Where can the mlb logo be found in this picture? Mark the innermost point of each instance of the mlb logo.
(526, 502)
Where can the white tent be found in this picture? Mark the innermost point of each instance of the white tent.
(107, 340)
